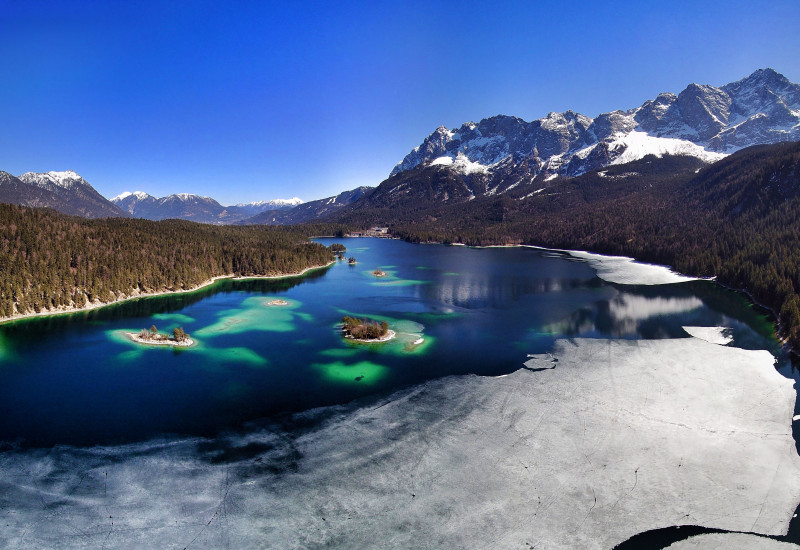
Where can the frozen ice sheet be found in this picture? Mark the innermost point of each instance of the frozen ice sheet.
(619, 438)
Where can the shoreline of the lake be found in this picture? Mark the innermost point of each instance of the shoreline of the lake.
(185, 343)
(97, 305)
(390, 335)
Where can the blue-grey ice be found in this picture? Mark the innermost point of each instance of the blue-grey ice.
(619, 438)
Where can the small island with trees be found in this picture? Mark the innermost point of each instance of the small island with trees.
(379, 272)
(352, 260)
(365, 330)
(338, 249)
(153, 337)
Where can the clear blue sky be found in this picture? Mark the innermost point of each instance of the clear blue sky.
(254, 100)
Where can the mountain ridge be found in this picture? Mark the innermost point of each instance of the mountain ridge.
(704, 121)
(66, 192)
(311, 210)
(188, 206)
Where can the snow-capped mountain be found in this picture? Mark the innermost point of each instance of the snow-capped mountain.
(52, 180)
(187, 206)
(702, 121)
(66, 192)
(135, 202)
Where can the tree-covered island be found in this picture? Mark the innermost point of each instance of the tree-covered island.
(366, 330)
(154, 337)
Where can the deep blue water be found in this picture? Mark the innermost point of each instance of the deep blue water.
(77, 379)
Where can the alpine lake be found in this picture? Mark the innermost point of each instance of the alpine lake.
(77, 379)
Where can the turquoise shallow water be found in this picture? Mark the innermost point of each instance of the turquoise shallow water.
(78, 379)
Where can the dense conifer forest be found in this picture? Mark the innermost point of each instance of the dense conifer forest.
(737, 219)
(50, 261)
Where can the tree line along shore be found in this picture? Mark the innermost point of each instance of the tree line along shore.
(51, 262)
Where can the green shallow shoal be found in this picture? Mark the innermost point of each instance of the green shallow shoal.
(255, 315)
(362, 372)
(5, 351)
(130, 356)
(174, 318)
(242, 355)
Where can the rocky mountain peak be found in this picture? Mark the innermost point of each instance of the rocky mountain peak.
(704, 121)
(66, 179)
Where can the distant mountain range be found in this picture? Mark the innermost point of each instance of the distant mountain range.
(312, 210)
(186, 206)
(66, 192)
(500, 155)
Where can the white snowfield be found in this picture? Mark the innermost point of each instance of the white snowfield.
(638, 144)
(621, 437)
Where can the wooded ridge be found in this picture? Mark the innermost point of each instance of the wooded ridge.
(50, 261)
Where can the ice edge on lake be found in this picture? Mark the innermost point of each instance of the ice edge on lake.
(715, 335)
(620, 438)
(624, 270)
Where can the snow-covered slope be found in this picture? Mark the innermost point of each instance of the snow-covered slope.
(702, 121)
(50, 180)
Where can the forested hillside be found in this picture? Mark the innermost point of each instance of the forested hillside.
(51, 261)
(737, 219)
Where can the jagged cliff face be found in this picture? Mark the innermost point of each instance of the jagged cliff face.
(702, 121)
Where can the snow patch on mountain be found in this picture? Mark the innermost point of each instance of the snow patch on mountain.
(66, 179)
(461, 164)
(637, 144)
